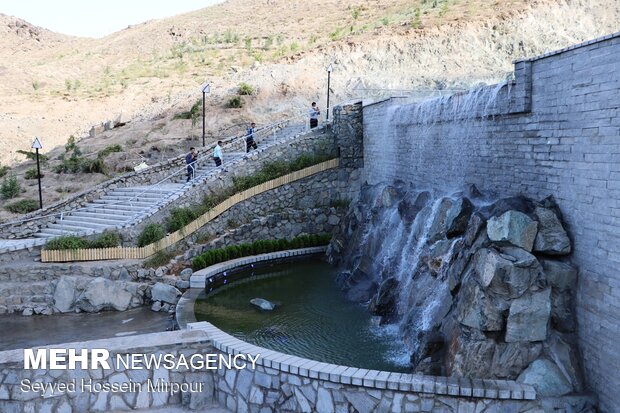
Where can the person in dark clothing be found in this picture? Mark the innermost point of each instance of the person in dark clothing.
(190, 160)
(249, 138)
(314, 115)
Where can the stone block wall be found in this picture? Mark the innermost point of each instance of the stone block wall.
(554, 131)
(280, 382)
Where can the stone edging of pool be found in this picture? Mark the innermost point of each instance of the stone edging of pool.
(345, 375)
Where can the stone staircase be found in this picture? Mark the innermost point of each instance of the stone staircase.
(123, 207)
(112, 210)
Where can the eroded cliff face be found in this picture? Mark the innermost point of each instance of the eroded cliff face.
(480, 288)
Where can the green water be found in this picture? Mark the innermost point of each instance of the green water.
(312, 320)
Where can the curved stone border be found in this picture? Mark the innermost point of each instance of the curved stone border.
(199, 280)
(344, 375)
(374, 379)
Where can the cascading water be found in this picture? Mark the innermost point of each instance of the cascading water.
(465, 300)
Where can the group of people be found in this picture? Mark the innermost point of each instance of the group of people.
(250, 143)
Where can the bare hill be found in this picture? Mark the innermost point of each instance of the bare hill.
(54, 86)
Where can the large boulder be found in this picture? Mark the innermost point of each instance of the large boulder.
(478, 310)
(487, 359)
(409, 207)
(458, 217)
(514, 228)
(551, 238)
(165, 292)
(562, 278)
(103, 294)
(507, 273)
(384, 303)
(438, 227)
(567, 358)
(546, 378)
(64, 294)
(528, 318)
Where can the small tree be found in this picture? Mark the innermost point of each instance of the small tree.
(10, 188)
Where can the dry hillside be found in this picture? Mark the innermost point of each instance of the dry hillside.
(54, 86)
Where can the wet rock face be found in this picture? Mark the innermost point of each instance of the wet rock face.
(513, 228)
(480, 292)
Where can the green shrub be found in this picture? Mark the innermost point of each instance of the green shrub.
(194, 113)
(33, 155)
(10, 188)
(67, 242)
(32, 174)
(245, 89)
(108, 239)
(150, 234)
(215, 256)
(22, 206)
(4, 170)
(72, 165)
(180, 217)
(235, 102)
(108, 150)
(159, 259)
(71, 145)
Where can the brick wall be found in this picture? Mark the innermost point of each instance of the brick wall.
(555, 130)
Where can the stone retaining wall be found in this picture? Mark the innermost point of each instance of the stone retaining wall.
(316, 143)
(554, 131)
(280, 382)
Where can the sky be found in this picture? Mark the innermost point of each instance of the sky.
(96, 18)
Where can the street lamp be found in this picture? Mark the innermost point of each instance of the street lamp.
(36, 145)
(329, 75)
(205, 89)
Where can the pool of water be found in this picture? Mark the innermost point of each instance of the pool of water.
(312, 318)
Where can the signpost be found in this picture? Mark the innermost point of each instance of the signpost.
(329, 74)
(36, 145)
(206, 88)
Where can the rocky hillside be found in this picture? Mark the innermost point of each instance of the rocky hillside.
(55, 86)
(478, 289)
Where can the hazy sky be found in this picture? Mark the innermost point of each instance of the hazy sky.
(96, 18)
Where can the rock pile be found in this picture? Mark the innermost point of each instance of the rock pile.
(479, 289)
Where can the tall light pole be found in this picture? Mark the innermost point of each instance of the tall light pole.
(329, 75)
(36, 145)
(205, 89)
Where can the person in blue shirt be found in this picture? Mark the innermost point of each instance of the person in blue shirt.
(314, 115)
(249, 138)
(217, 154)
(190, 160)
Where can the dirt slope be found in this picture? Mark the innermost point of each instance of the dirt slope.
(54, 86)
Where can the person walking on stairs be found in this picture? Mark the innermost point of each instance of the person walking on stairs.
(249, 138)
(217, 154)
(314, 115)
(190, 160)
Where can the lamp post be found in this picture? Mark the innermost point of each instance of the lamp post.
(205, 89)
(329, 75)
(36, 145)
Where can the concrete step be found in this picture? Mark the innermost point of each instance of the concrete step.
(135, 196)
(162, 189)
(69, 226)
(87, 223)
(52, 232)
(110, 210)
(100, 216)
(115, 203)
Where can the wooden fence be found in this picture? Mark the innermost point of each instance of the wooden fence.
(123, 253)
